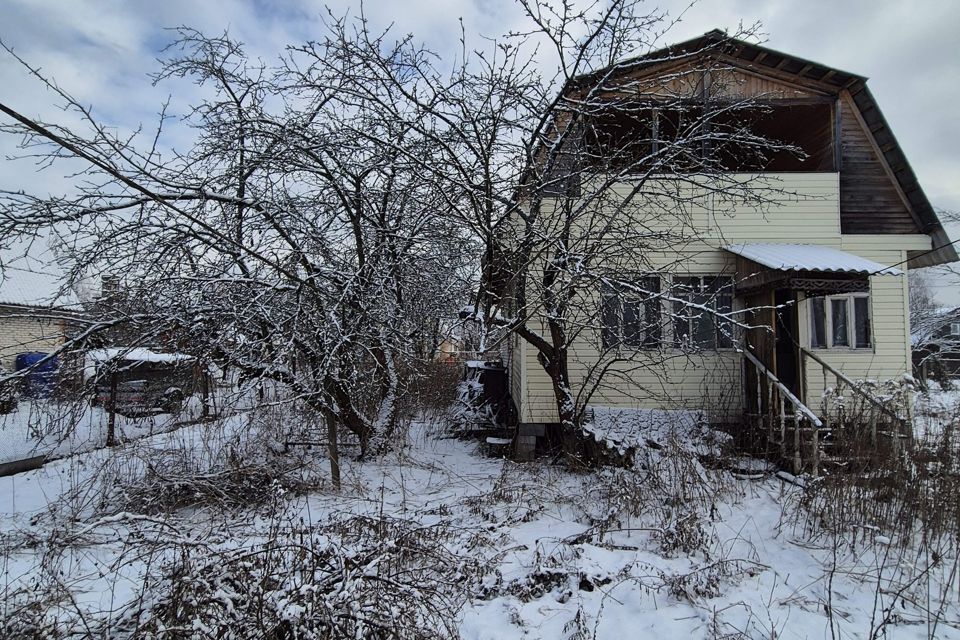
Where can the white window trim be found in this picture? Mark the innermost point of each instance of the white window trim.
(851, 323)
(955, 328)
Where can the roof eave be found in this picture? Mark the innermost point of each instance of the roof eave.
(943, 252)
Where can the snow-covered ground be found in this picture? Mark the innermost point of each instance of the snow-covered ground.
(936, 409)
(524, 550)
(53, 429)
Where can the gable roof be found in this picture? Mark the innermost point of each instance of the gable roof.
(716, 42)
(33, 288)
(31, 276)
(803, 72)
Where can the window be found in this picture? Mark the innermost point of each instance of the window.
(630, 316)
(955, 328)
(840, 321)
(695, 320)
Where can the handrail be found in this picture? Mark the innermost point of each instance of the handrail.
(800, 407)
(855, 387)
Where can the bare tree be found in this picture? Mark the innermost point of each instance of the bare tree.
(571, 181)
(285, 244)
(330, 209)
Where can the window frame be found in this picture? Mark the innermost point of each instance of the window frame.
(723, 339)
(650, 304)
(850, 306)
(955, 328)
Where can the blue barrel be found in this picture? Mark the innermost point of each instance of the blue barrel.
(39, 382)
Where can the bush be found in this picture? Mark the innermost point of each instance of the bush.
(435, 386)
(360, 577)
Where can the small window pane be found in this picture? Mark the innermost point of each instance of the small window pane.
(633, 323)
(610, 319)
(652, 313)
(683, 288)
(861, 322)
(818, 324)
(838, 315)
(681, 325)
(703, 326)
(724, 327)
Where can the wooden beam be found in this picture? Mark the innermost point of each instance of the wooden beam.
(837, 139)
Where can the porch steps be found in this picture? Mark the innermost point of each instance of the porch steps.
(832, 442)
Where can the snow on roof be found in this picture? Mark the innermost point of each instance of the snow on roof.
(136, 354)
(35, 288)
(809, 257)
(30, 276)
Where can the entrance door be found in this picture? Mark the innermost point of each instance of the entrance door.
(760, 341)
(786, 340)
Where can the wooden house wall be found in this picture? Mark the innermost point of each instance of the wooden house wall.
(869, 199)
(859, 207)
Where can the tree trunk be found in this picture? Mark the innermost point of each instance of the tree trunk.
(555, 364)
(348, 415)
(333, 451)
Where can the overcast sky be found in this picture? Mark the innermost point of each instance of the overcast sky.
(102, 50)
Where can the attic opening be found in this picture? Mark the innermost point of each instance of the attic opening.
(684, 137)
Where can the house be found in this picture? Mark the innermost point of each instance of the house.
(764, 309)
(936, 346)
(36, 314)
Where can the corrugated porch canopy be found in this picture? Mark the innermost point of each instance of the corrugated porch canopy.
(803, 267)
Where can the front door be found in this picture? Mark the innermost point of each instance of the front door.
(787, 341)
(760, 342)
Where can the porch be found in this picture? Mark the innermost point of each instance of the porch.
(802, 302)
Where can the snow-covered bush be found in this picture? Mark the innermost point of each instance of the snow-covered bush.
(640, 437)
(469, 409)
(356, 578)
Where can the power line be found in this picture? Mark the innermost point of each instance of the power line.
(925, 253)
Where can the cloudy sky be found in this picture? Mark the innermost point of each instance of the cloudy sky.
(101, 51)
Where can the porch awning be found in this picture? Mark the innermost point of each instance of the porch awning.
(810, 258)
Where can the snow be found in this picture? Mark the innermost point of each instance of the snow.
(808, 257)
(482, 364)
(136, 354)
(936, 410)
(610, 553)
(624, 429)
(54, 430)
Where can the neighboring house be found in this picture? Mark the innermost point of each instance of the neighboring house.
(936, 346)
(447, 351)
(36, 315)
(830, 256)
